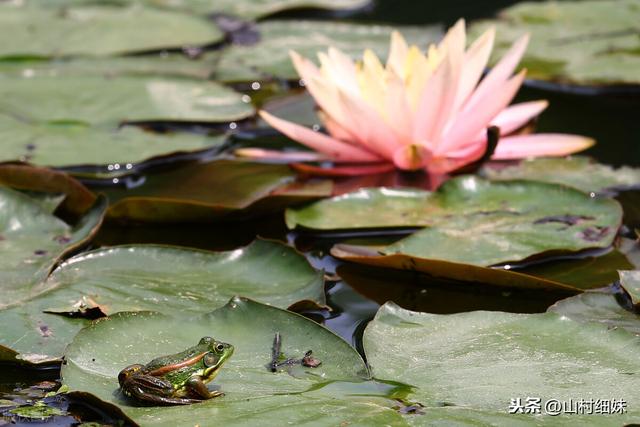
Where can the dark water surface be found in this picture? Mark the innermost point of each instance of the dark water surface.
(611, 119)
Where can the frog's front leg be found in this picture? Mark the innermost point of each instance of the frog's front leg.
(199, 388)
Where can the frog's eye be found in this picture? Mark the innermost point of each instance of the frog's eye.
(219, 347)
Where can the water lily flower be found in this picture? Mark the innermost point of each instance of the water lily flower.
(419, 111)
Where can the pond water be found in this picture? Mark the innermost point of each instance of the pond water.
(611, 118)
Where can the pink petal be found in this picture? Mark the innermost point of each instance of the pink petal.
(334, 128)
(455, 161)
(373, 131)
(397, 53)
(324, 94)
(330, 95)
(498, 75)
(475, 61)
(516, 116)
(540, 144)
(437, 101)
(336, 150)
(287, 156)
(513, 118)
(429, 103)
(470, 123)
(398, 110)
(345, 69)
(455, 44)
(356, 170)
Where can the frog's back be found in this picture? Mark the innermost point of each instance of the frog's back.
(178, 359)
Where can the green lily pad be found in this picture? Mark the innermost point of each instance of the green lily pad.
(98, 30)
(172, 64)
(70, 197)
(474, 221)
(599, 307)
(589, 271)
(245, 9)
(446, 270)
(94, 99)
(173, 280)
(578, 42)
(477, 362)
(76, 144)
(205, 192)
(270, 57)
(612, 307)
(252, 9)
(578, 171)
(267, 59)
(33, 240)
(630, 281)
(37, 411)
(252, 393)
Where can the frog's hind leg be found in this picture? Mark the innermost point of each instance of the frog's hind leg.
(199, 388)
(152, 390)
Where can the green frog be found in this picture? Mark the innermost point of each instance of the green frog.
(177, 379)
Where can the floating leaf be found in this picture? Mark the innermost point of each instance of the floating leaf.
(447, 270)
(37, 411)
(75, 197)
(270, 57)
(473, 221)
(75, 144)
(173, 280)
(580, 172)
(266, 59)
(600, 307)
(453, 360)
(252, 9)
(32, 240)
(208, 192)
(587, 271)
(630, 281)
(174, 64)
(578, 42)
(246, 9)
(98, 30)
(252, 393)
(94, 99)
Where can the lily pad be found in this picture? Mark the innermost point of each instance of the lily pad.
(173, 280)
(600, 307)
(252, 9)
(453, 360)
(474, 221)
(98, 30)
(205, 192)
(270, 57)
(33, 240)
(580, 172)
(630, 281)
(590, 270)
(252, 393)
(174, 64)
(76, 144)
(245, 9)
(578, 42)
(447, 270)
(94, 99)
(73, 198)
